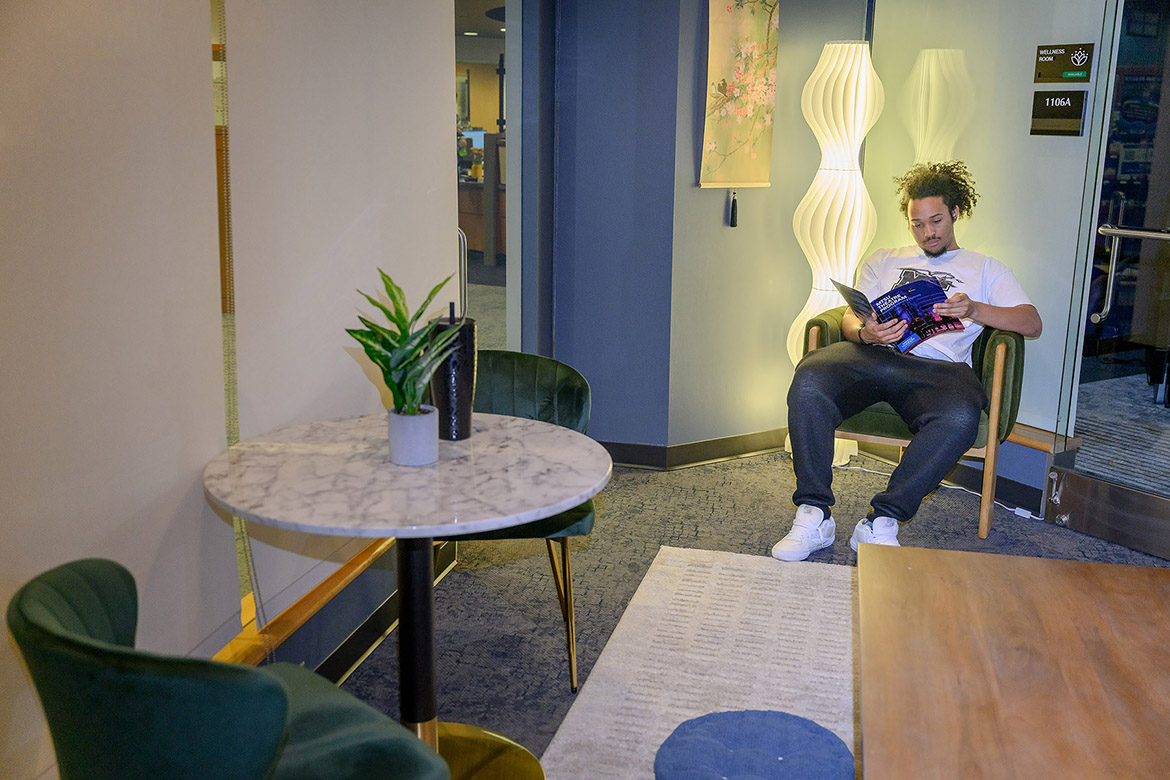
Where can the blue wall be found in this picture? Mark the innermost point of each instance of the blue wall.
(678, 321)
(616, 87)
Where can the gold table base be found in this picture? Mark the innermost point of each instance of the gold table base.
(472, 752)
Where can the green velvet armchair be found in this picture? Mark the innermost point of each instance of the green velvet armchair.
(116, 713)
(998, 359)
(540, 388)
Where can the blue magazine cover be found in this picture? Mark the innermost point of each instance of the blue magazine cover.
(913, 302)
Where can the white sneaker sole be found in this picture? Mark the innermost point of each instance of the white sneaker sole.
(791, 556)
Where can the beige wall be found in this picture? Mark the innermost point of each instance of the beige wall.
(111, 395)
(112, 391)
(1036, 191)
(340, 166)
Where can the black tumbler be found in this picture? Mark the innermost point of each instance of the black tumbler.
(453, 384)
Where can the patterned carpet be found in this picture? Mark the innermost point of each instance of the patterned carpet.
(499, 636)
(1126, 435)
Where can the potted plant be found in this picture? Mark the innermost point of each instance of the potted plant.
(407, 358)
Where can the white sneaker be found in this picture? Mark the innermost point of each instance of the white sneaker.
(883, 530)
(811, 531)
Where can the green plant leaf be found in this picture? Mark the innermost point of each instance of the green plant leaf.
(406, 359)
(437, 351)
(378, 358)
(365, 338)
(428, 367)
(443, 339)
(386, 337)
(422, 309)
(397, 297)
(379, 304)
(413, 346)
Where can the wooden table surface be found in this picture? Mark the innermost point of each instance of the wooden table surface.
(995, 666)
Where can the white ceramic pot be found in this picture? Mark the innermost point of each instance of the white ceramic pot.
(414, 438)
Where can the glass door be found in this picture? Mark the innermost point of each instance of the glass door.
(1116, 483)
(480, 43)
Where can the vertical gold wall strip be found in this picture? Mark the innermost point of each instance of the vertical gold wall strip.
(251, 606)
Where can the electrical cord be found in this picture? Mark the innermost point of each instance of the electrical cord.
(1019, 511)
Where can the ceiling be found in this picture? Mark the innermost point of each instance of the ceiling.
(471, 16)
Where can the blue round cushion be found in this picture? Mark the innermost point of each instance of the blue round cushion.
(752, 745)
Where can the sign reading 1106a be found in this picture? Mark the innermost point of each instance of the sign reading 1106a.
(1058, 113)
(1061, 63)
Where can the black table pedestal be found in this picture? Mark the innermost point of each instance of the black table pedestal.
(469, 751)
(416, 638)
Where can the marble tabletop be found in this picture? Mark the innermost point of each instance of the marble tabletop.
(335, 477)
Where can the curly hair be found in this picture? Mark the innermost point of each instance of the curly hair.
(949, 180)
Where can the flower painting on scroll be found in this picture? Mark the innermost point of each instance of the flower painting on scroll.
(741, 93)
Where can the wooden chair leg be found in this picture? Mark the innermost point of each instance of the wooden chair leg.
(991, 459)
(987, 496)
(563, 580)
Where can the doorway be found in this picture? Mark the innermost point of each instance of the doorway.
(1117, 484)
(481, 146)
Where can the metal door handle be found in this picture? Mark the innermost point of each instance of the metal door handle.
(462, 274)
(1118, 233)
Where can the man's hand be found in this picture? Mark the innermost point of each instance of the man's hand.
(874, 332)
(958, 305)
(1023, 319)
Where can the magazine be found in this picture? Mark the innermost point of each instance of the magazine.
(913, 302)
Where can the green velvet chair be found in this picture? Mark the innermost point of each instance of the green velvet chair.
(116, 713)
(540, 388)
(998, 359)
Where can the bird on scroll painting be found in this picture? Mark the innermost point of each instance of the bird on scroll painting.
(718, 98)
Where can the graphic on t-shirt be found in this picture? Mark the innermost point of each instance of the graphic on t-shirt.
(913, 302)
(945, 279)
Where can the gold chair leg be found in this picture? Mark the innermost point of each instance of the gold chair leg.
(563, 580)
(558, 581)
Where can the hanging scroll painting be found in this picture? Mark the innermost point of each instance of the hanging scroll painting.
(741, 93)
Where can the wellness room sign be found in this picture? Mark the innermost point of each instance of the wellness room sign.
(1061, 112)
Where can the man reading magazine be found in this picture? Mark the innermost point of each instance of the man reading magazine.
(931, 386)
(913, 302)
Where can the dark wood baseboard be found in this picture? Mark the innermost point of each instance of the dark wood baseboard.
(681, 456)
(1007, 491)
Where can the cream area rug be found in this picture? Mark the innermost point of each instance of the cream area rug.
(711, 631)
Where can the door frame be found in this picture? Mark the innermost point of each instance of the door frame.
(1117, 513)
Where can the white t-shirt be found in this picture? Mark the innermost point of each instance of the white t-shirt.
(983, 278)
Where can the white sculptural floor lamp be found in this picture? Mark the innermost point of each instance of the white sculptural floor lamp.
(835, 220)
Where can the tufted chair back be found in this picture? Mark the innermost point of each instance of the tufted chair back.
(116, 713)
(531, 386)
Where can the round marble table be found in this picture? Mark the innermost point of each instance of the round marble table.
(335, 477)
